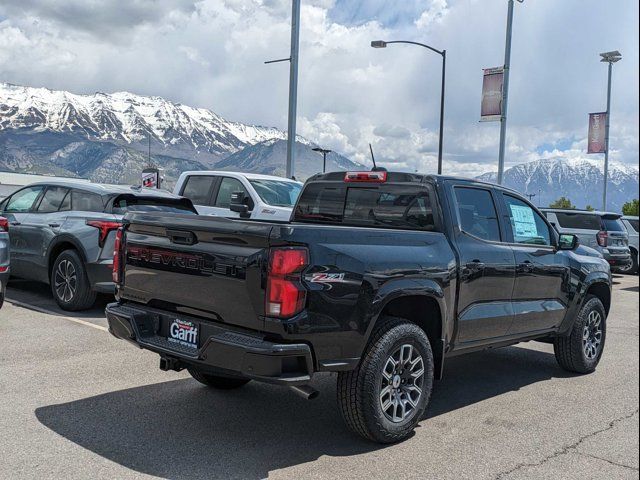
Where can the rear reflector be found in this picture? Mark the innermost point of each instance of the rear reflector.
(117, 255)
(4, 268)
(4, 224)
(286, 295)
(372, 177)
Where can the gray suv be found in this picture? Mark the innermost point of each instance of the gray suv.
(63, 233)
(4, 257)
(602, 231)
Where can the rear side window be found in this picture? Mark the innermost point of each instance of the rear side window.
(198, 189)
(580, 221)
(52, 199)
(613, 225)
(477, 213)
(86, 201)
(405, 207)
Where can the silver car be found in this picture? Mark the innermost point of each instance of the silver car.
(63, 233)
(4, 257)
(602, 231)
(631, 224)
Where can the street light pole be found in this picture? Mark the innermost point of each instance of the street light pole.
(443, 54)
(505, 92)
(324, 153)
(610, 58)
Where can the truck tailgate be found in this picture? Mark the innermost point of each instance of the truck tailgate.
(203, 266)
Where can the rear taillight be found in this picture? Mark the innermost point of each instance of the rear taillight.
(117, 256)
(4, 224)
(372, 177)
(104, 227)
(602, 238)
(285, 294)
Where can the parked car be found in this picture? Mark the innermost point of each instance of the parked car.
(256, 197)
(631, 224)
(603, 231)
(379, 277)
(4, 257)
(62, 233)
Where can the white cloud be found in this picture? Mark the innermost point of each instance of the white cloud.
(210, 53)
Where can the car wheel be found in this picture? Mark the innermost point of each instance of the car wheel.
(70, 283)
(385, 397)
(581, 351)
(217, 381)
(634, 266)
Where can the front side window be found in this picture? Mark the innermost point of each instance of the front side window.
(527, 225)
(227, 187)
(22, 201)
(86, 202)
(477, 213)
(52, 199)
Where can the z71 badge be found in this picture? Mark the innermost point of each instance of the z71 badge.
(326, 277)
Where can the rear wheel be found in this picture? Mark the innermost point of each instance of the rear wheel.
(581, 351)
(634, 267)
(385, 397)
(70, 283)
(217, 381)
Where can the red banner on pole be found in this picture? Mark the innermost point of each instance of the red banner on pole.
(491, 107)
(596, 142)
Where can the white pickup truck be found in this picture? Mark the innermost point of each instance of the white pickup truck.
(239, 195)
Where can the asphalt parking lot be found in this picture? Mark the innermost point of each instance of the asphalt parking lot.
(76, 403)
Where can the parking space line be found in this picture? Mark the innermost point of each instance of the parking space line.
(51, 312)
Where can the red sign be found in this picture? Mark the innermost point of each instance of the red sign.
(491, 107)
(596, 142)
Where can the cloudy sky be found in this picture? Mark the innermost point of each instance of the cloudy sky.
(210, 53)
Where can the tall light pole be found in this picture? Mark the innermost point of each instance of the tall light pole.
(610, 58)
(505, 91)
(293, 87)
(443, 54)
(324, 153)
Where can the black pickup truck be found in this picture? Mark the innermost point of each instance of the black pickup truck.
(379, 276)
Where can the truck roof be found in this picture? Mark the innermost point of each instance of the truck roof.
(250, 176)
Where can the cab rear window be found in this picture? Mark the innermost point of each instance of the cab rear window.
(406, 207)
(124, 204)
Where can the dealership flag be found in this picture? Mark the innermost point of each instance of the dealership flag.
(596, 143)
(491, 108)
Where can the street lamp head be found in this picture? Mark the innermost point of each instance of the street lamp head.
(321, 150)
(379, 44)
(611, 57)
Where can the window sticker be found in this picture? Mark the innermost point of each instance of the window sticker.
(524, 223)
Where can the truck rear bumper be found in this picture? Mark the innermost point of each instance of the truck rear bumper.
(220, 349)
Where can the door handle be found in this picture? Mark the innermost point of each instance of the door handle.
(475, 265)
(15, 223)
(54, 225)
(526, 266)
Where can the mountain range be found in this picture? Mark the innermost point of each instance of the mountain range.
(110, 138)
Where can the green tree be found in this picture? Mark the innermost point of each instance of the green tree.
(631, 208)
(589, 208)
(562, 202)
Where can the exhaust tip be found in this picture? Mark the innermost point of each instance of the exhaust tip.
(305, 391)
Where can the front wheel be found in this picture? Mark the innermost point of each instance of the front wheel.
(581, 351)
(217, 381)
(385, 397)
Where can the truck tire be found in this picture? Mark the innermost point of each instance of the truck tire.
(581, 351)
(70, 284)
(386, 396)
(219, 382)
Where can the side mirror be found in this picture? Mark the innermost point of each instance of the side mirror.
(237, 204)
(567, 241)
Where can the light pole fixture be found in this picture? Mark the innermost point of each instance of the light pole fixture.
(443, 54)
(324, 153)
(610, 58)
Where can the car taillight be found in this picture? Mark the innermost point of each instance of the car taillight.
(104, 227)
(602, 238)
(285, 294)
(4, 224)
(373, 177)
(117, 256)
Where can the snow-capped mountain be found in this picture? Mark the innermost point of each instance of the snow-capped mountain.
(106, 137)
(579, 180)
